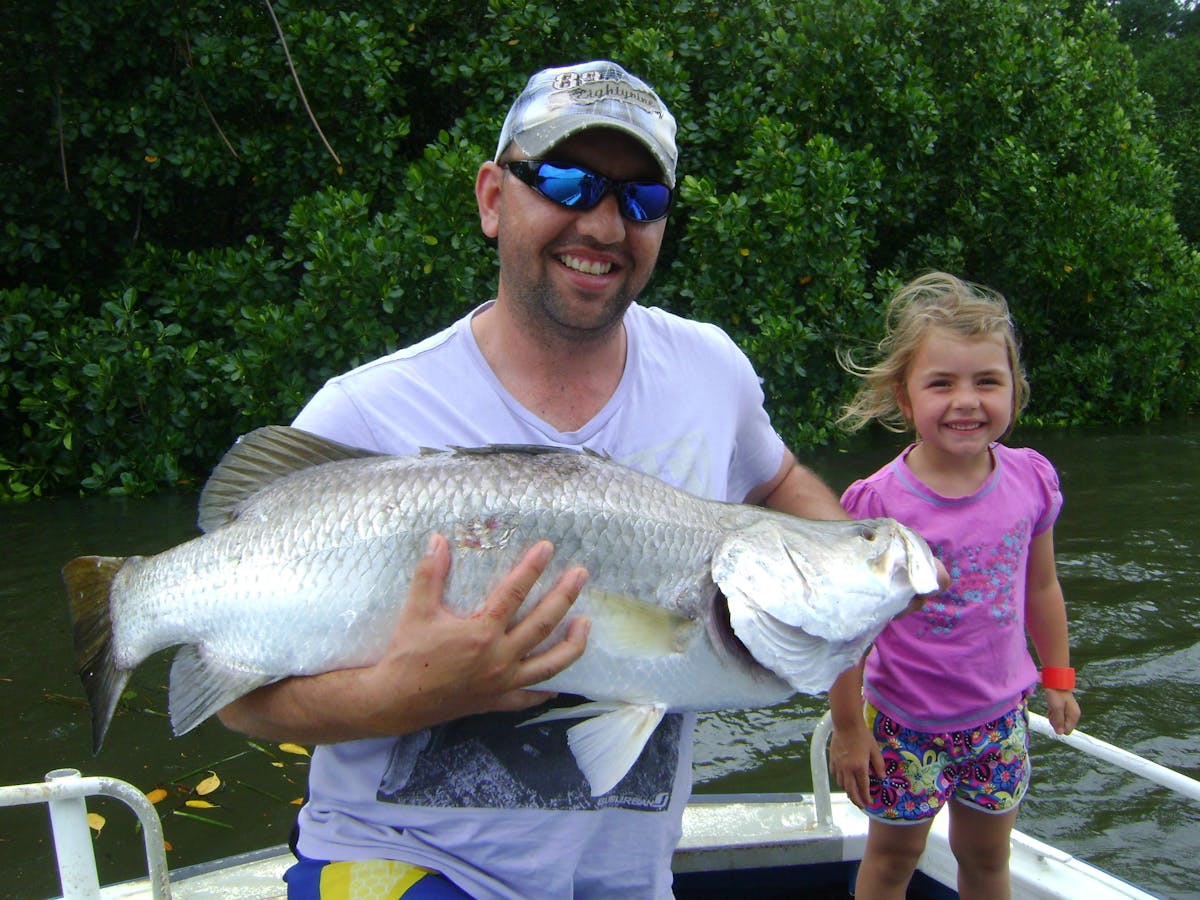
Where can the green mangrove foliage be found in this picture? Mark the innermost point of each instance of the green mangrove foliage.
(210, 208)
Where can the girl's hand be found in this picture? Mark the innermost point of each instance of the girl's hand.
(853, 755)
(1062, 710)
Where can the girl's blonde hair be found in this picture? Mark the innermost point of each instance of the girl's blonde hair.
(934, 300)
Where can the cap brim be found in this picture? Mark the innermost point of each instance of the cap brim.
(536, 142)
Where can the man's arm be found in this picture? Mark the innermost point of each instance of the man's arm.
(797, 490)
(438, 667)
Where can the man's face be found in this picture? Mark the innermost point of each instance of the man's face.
(573, 273)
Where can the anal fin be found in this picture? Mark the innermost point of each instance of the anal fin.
(610, 740)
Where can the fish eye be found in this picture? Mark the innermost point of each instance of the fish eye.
(866, 532)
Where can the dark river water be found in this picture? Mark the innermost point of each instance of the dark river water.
(1129, 560)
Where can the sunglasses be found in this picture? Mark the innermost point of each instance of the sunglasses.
(574, 187)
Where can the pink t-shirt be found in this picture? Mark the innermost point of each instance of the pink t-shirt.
(964, 657)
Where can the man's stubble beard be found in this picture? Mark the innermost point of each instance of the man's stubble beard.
(551, 315)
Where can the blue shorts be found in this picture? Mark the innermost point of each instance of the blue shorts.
(380, 879)
(986, 767)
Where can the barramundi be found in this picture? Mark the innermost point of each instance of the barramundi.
(308, 547)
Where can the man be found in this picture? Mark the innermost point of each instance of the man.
(461, 804)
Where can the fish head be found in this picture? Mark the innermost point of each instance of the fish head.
(807, 598)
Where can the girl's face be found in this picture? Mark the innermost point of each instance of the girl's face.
(958, 393)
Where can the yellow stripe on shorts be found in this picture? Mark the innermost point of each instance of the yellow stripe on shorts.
(369, 879)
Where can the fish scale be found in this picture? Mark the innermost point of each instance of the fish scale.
(309, 545)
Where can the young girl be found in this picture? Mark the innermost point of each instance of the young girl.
(937, 710)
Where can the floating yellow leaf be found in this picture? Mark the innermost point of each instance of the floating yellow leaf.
(200, 804)
(299, 801)
(95, 821)
(209, 784)
(277, 764)
(293, 748)
(157, 795)
(168, 846)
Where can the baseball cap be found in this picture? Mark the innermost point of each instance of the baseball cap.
(557, 103)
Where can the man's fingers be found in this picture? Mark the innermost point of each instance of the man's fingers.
(545, 665)
(943, 576)
(541, 621)
(503, 603)
(429, 577)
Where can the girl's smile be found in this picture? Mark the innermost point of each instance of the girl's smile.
(958, 395)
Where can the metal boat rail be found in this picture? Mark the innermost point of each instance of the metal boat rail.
(65, 792)
(1131, 762)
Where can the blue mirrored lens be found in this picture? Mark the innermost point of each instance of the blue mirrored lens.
(577, 188)
(644, 201)
(571, 187)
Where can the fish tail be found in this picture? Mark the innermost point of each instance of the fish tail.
(89, 585)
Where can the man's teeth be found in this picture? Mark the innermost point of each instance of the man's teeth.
(587, 268)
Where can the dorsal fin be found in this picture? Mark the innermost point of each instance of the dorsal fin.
(259, 458)
(489, 449)
(530, 449)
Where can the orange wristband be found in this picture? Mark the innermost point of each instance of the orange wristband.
(1058, 678)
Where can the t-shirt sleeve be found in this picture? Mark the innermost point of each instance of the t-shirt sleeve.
(862, 501)
(759, 449)
(1046, 478)
(332, 413)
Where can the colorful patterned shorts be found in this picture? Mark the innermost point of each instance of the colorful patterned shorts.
(379, 879)
(987, 767)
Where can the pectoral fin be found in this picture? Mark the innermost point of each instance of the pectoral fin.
(627, 627)
(611, 739)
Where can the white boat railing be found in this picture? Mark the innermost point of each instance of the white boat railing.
(64, 792)
(1131, 762)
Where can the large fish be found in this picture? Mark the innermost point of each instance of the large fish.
(309, 545)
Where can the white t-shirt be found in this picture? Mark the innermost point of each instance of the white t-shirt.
(502, 811)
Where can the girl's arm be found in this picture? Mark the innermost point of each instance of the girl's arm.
(1046, 621)
(853, 753)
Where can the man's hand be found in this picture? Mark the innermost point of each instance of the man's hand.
(439, 666)
(451, 666)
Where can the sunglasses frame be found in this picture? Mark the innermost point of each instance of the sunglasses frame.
(527, 171)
